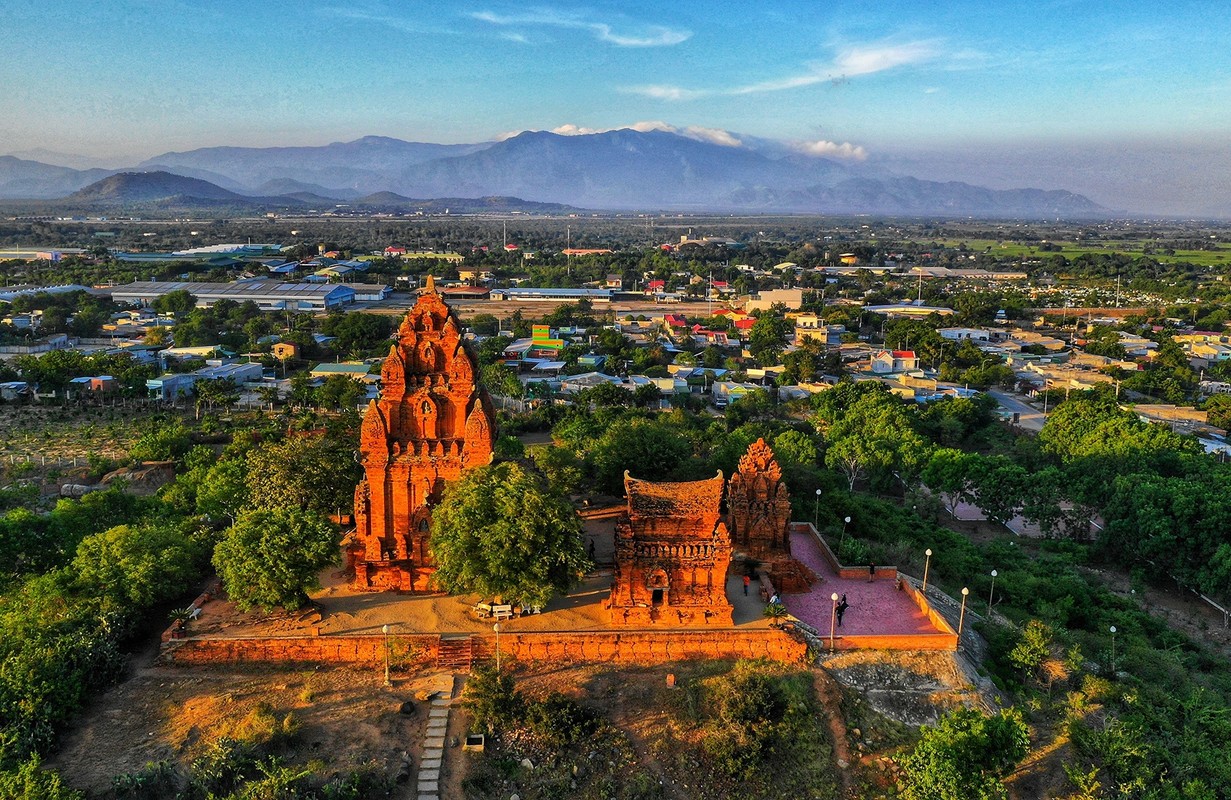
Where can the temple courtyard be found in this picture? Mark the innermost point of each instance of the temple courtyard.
(876, 609)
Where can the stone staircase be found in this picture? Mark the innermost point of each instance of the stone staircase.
(455, 654)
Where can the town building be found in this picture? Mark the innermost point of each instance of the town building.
(884, 361)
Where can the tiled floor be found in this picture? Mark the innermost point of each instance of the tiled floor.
(876, 608)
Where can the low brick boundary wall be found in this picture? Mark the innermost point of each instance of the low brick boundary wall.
(627, 647)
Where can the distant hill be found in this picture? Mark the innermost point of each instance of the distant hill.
(145, 187)
(537, 172)
(20, 178)
(360, 166)
(462, 205)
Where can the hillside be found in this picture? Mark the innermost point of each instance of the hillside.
(648, 170)
(145, 187)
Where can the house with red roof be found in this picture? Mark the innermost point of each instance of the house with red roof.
(675, 320)
(884, 361)
(394, 250)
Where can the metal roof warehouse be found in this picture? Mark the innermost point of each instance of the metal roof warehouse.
(268, 295)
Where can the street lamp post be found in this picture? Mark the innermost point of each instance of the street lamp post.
(496, 628)
(833, 619)
(961, 618)
(385, 630)
(992, 594)
(816, 514)
(1113, 650)
(926, 565)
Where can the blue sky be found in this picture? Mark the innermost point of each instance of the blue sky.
(911, 82)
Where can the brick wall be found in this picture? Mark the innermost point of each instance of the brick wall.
(639, 647)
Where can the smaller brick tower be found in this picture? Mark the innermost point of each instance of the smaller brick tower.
(672, 551)
(759, 505)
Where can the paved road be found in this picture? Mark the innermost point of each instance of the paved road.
(1031, 418)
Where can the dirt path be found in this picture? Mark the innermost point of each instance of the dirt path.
(830, 696)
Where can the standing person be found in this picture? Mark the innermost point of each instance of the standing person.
(842, 606)
(747, 582)
(871, 572)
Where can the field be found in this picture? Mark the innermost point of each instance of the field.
(1206, 258)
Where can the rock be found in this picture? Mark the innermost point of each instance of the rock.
(403, 773)
(407, 708)
(855, 732)
(514, 797)
(527, 763)
(843, 763)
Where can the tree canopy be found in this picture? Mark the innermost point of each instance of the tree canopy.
(271, 558)
(965, 756)
(499, 531)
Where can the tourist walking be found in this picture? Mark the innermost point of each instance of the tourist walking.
(841, 609)
(747, 582)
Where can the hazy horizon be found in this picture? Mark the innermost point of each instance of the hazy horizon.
(1128, 105)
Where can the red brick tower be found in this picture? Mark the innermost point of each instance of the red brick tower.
(672, 550)
(432, 421)
(759, 505)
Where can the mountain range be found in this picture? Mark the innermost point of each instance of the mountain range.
(626, 169)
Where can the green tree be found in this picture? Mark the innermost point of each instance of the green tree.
(312, 472)
(1033, 647)
(213, 392)
(500, 531)
(179, 301)
(272, 558)
(134, 567)
(965, 756)
(950, 472)
(223, 490)
(873, 437)
(649, 449)
(767, 339)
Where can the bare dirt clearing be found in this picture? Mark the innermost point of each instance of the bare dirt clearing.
(347, 719)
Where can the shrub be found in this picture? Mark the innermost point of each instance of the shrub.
(560, 721)
(493, 701)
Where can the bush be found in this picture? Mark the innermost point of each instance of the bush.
(157, 780)
(30, 782)
(559, 721)
(492, 700)
(171, 441)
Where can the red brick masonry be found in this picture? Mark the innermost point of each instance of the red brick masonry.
(632, 647)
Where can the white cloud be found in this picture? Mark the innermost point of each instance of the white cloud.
(667, 92)
(645, 36)
(827, 149)
(712, 135)
(869, 59)
(865, 59)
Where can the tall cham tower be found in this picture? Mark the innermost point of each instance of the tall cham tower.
(432, 422)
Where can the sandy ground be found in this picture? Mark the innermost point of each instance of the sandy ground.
(347, 718)
(340, 610)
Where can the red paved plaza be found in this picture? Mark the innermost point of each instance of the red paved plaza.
(876, 608)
